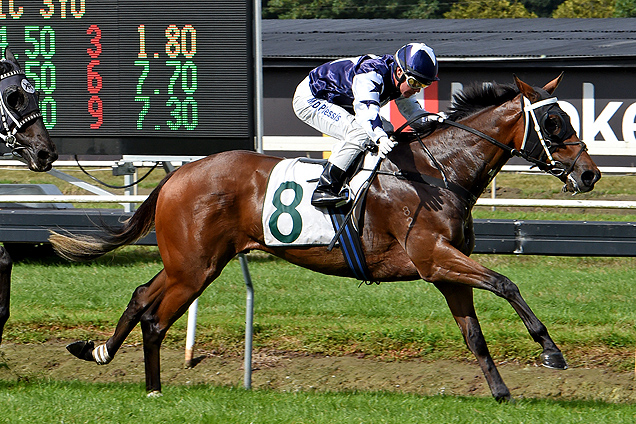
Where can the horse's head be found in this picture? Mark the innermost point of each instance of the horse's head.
(550, 141)
(22, 128)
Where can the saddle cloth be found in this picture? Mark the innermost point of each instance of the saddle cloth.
(289, 219)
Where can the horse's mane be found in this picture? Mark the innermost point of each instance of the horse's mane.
(472, 99)
(478, 96)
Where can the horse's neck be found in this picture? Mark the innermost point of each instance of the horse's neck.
(466, 159)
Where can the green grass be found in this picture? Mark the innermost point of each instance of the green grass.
(586, 303)
(543, 186)
(53, 402)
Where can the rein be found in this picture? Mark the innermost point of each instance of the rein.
(511, 150)
(551, 166)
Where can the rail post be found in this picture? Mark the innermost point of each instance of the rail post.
(249, 322)
(191, 333)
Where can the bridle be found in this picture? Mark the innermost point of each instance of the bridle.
(18, 105)
(551, 128)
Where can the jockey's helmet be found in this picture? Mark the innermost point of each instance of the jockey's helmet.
(417, 60)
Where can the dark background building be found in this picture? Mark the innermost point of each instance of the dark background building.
(598, 57)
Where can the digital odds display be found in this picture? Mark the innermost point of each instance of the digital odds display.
(163, 74)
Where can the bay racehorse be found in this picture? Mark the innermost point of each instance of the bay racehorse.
(22, 130)
(417, 219)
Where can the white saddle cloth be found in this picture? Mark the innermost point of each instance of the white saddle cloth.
(289, 219)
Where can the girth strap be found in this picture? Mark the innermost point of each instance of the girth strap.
(350, 243)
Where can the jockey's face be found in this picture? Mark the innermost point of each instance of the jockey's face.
(404, 87)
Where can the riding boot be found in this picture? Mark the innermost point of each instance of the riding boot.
(329, 185)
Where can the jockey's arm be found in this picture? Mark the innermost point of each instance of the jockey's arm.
(366, 103)
(409, 107)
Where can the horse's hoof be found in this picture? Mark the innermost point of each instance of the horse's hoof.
(554, 360)
(505, 399)
(82, 349)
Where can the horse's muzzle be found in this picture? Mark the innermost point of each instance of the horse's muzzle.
(582, 183)
(39, 159)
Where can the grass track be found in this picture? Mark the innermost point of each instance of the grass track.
(586, 303)
(53, 402)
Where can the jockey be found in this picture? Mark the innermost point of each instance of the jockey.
(343, 98)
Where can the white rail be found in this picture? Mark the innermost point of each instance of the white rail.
(551, 203)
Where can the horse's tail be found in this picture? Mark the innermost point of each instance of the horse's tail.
(86, 248)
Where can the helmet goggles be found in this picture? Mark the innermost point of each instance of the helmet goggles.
(415, 83)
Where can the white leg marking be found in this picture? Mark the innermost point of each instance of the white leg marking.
(101, 356)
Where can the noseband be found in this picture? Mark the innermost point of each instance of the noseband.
(18, 105)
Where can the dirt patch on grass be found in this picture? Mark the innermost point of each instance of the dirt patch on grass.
(290, 372)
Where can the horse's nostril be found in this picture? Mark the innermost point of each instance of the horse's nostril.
(45, 155)
(589, 178)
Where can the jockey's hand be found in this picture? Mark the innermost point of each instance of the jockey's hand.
(385, 145)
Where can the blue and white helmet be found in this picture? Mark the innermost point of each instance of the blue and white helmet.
(418, 60)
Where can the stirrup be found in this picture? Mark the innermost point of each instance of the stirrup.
(346, 192)
(333, 200)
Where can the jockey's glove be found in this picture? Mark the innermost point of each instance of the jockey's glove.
(385, 145)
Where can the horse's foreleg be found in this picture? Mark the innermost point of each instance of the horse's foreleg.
(551, 357)
(460, 302)
(5, 287)
(141, 300)
(458, 268)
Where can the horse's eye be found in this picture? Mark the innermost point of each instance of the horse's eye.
(15, 98)
(553, 125)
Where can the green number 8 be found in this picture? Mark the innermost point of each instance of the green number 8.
(297, 221)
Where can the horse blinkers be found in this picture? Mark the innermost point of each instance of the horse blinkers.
(18, 105)
(555, 126)
(552, 127)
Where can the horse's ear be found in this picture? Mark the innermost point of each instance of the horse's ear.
(10, 57)
(526, 89)
(552, 85)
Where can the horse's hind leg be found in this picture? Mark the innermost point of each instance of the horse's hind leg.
(183, 284)
(5, 287)
(154, 326)
(141, 300)
(156, 305)
(460, 302)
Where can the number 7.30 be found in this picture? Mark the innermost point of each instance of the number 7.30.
(185, 113)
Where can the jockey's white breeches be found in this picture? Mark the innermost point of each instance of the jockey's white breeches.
(332, 120)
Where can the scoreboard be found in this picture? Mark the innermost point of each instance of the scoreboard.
(137, 76)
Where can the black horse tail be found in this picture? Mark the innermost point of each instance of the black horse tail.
(86, 248)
